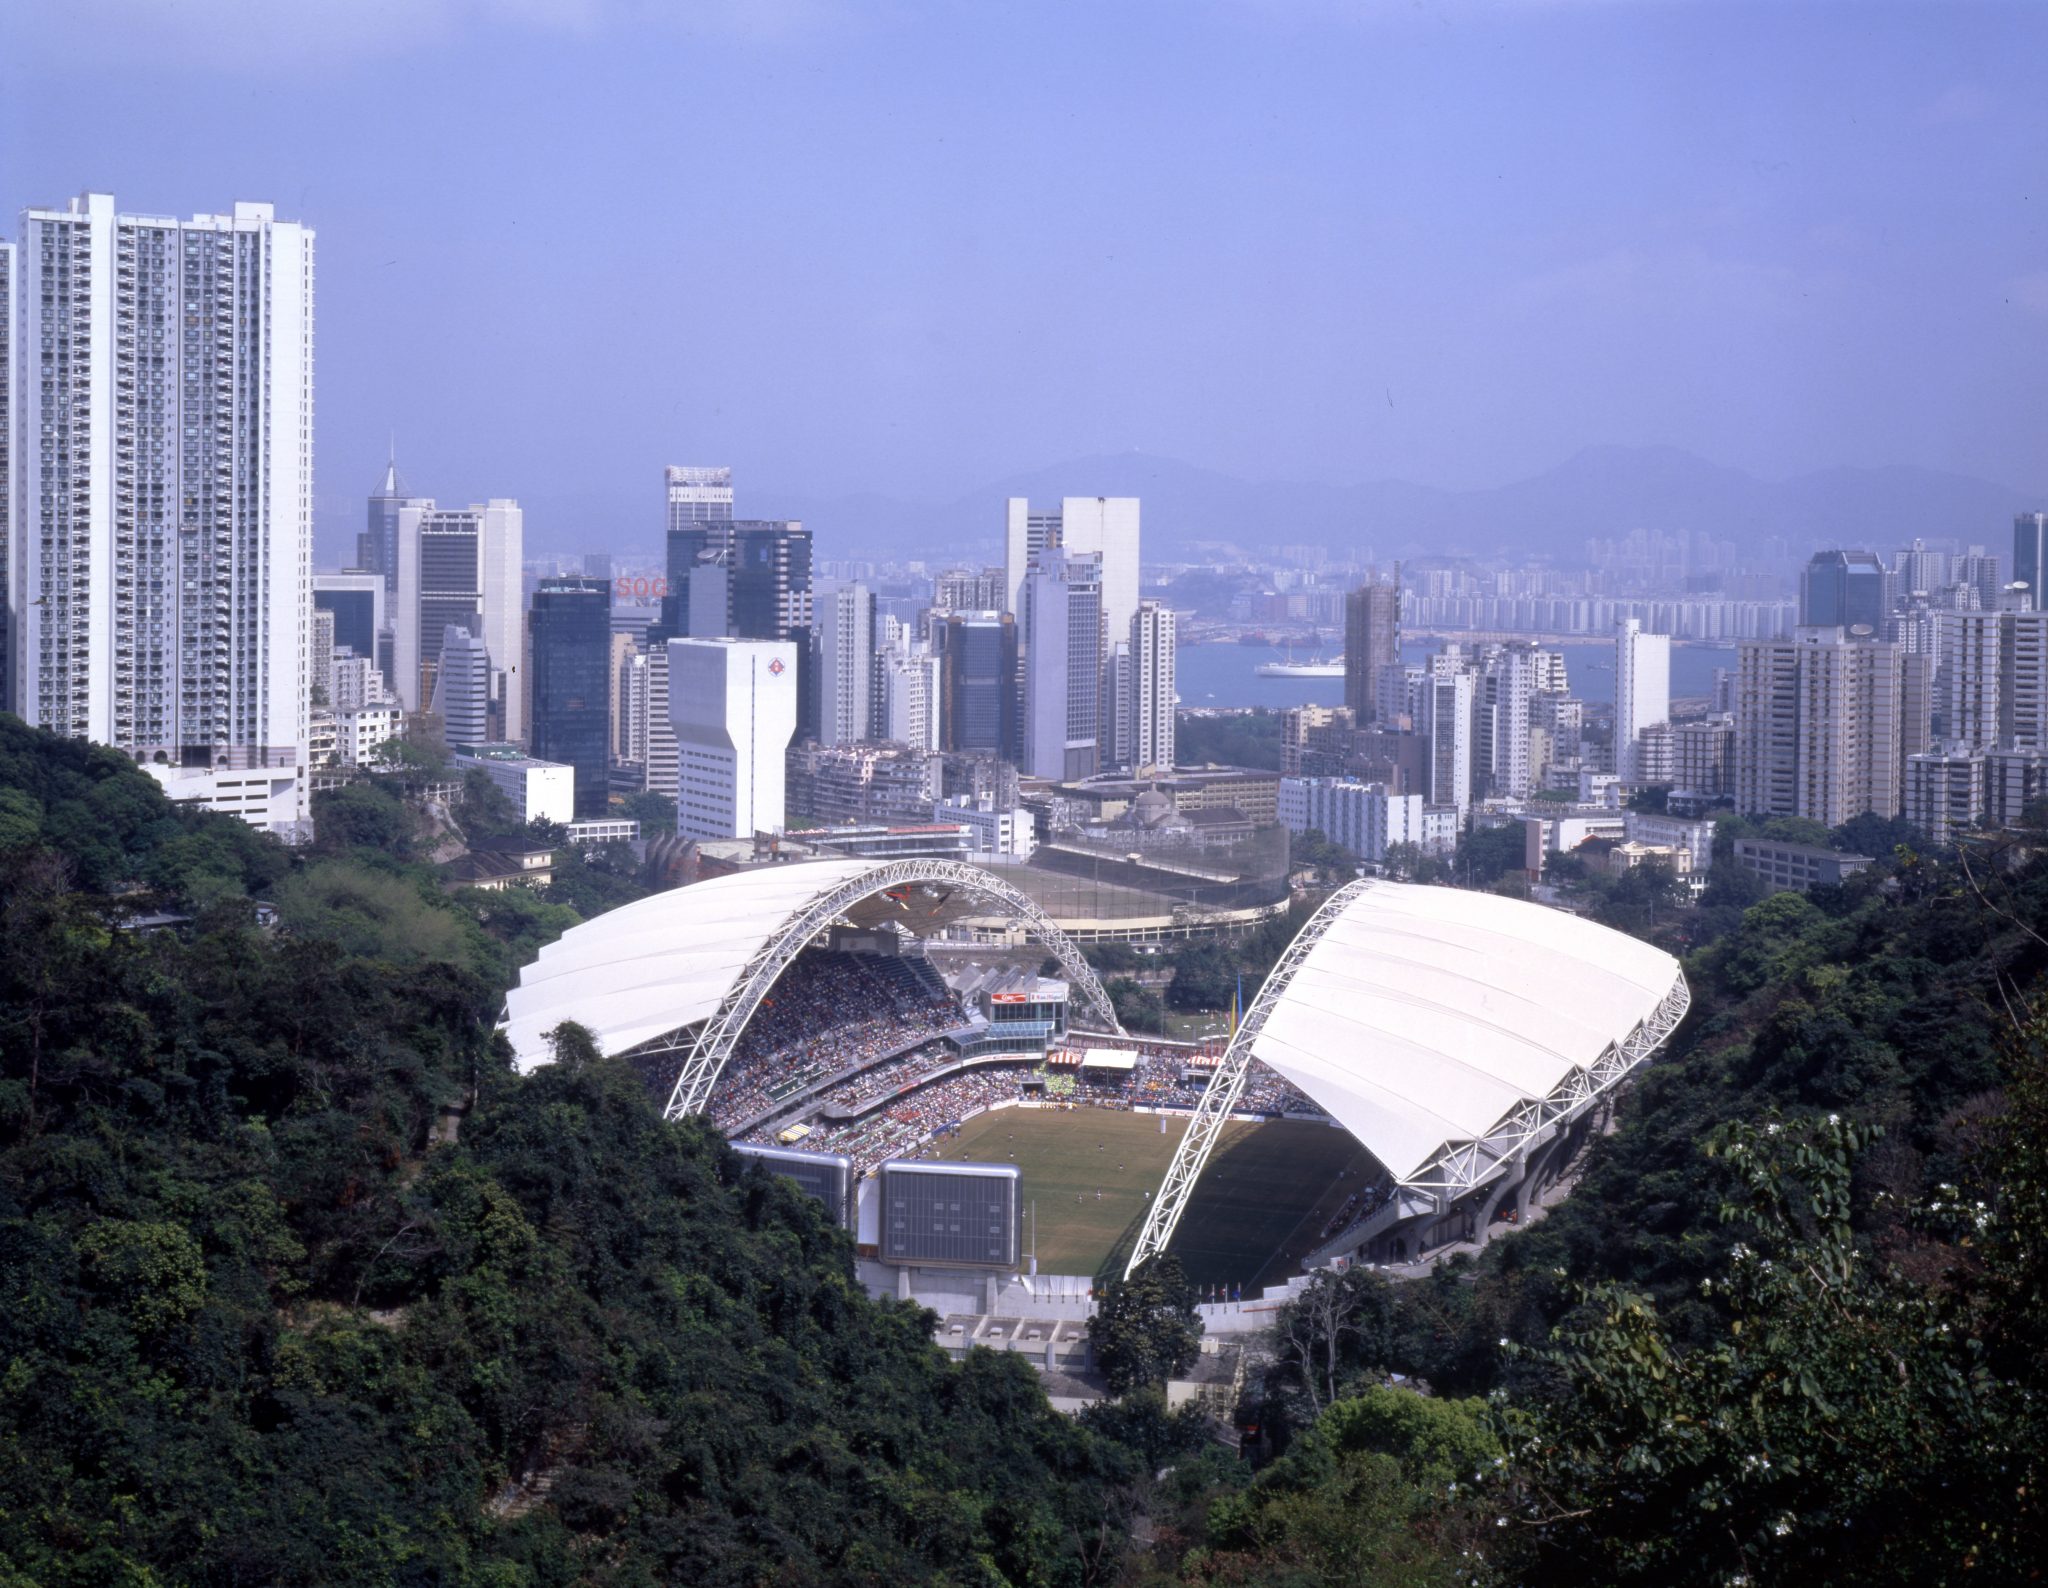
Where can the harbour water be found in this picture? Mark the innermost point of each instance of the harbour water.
(1223, 675)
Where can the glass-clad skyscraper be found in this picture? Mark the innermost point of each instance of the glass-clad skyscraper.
(570, 626)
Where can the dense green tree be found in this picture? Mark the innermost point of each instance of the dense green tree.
(1204, 977)
(1234, 738)
(306, 1285)
(1405, 862)
(1877, 836)
(1137, 1008)
(655, 812)
(1313, 850)
(1488, 854)
(1144, 1330)
(1368, 1496)
(1841, 1429)
(365, 814)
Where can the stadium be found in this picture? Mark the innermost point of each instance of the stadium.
(1418, 1066)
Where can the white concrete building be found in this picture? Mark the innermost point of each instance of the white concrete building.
(359, 733)
(907, 681)
(462, 688)
(845, 618)
(1824, 725)
(992, 833)
(1364, 818)
(1447, 719)
(159, 407)
(1642, 691)
(356, 682)
(1695, 838)
(538, 790)
(1945, 791)
(656, 737)
(461, 566)
(1104, 525)
(1154, 637)
(1063, 629)
(732, 705)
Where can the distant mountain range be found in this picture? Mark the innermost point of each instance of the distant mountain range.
(1193, 513)
(1196, 514)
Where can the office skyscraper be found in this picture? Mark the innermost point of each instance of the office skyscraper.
(570, 634)
(1642, 691)
(377, 545)
(1152, 688)
(978, 684)
(732, 704)
(698, 495)
(1063, 659)
(1372, 643)
(462, 696)
(1102, 526)
(2030, 556)
(1844, 590)
(460, 566)
(356, 598)
(161, 558)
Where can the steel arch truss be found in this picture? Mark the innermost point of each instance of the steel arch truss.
(707, 1048)
(1227, 1084)
(1457, 1166)
(1461, 1166)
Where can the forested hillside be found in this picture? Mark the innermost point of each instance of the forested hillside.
(1787, 1328)
(300, 1283)
(303, 1285)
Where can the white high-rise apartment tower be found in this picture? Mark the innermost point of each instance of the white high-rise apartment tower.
(733, 706)
(160, 408)
(1642, 690)
(1152, 688)
(845, 616)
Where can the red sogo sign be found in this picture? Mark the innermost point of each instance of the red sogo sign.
(644, 588)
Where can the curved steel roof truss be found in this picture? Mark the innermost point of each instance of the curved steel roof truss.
(712, 1044)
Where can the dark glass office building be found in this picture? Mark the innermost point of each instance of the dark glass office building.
(977, 681)
(2030, 556)
(1844, 590)
(355, 618)
(570, 625)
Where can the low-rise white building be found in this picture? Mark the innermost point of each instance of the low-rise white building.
(1696, 838)
(604, 830)
(1366, 818)
(538, 790)
(269, 798)
(361, 733)
(992, 834)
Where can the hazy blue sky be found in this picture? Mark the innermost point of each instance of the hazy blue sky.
(908, 248)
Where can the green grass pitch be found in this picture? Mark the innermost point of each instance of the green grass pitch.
(1256, 1210)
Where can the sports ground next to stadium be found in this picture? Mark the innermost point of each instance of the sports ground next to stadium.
(1259, 1206)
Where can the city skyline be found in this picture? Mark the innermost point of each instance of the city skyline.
(1812, 249)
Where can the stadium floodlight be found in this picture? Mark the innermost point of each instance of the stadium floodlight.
(1450, 1032)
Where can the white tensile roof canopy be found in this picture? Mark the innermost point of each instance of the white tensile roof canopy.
(1423, 1016)
(675, 959)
